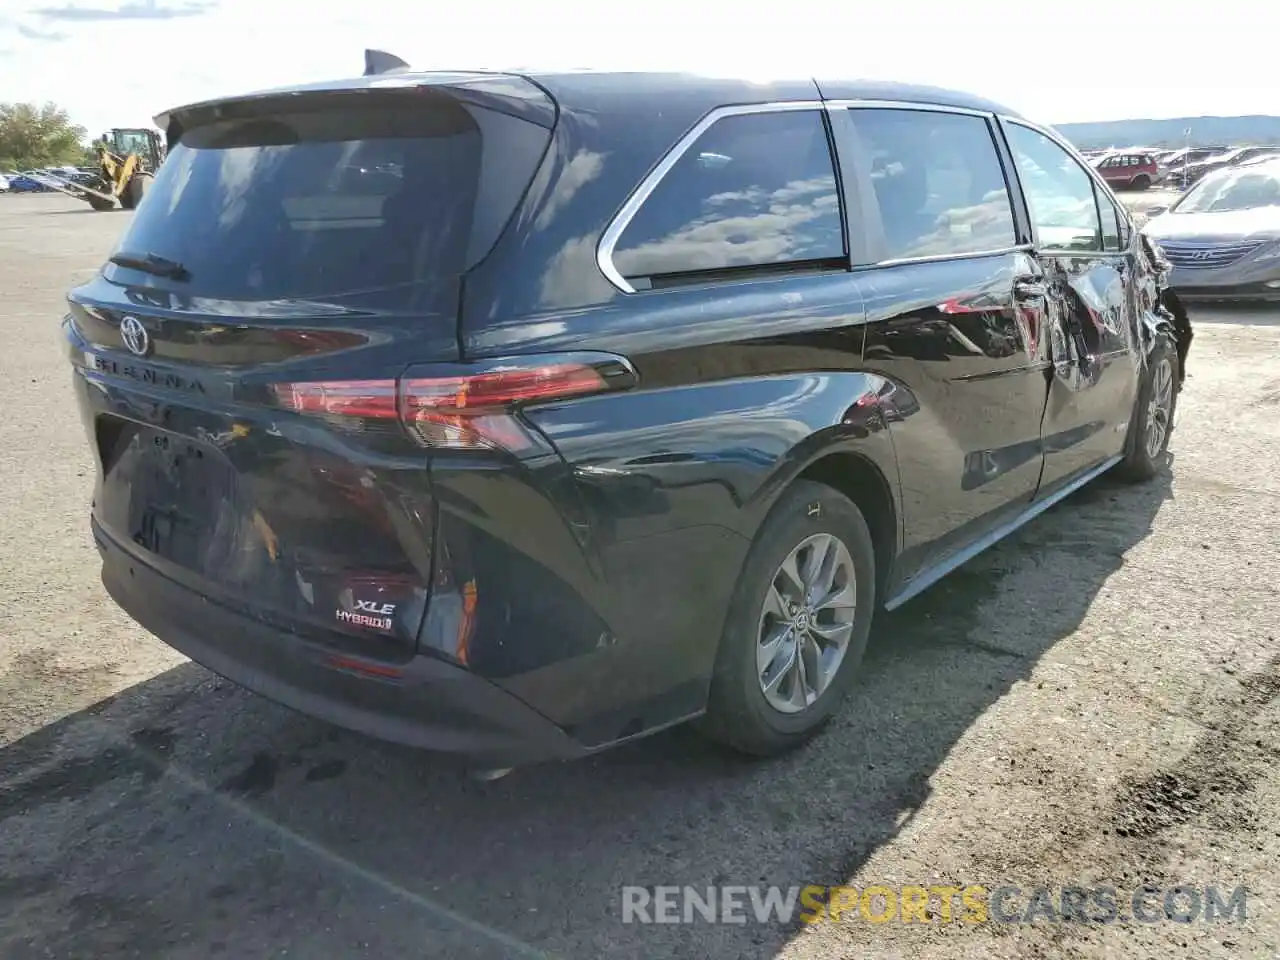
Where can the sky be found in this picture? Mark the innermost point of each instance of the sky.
(117, 64)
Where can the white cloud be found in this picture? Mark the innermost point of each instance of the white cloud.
(1056, 63)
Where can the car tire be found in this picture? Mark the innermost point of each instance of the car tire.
(1141, 182)
(809, 517)
(1157, 401)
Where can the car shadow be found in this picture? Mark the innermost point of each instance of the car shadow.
(188, 818)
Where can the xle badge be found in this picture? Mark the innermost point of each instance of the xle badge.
(815, 509)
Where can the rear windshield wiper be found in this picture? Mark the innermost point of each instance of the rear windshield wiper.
(150, 263)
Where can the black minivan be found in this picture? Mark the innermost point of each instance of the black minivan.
(520, 415)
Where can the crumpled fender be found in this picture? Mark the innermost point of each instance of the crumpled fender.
(1160, 308)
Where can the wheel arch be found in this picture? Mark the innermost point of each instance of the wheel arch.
(864, 469)
(858, 478)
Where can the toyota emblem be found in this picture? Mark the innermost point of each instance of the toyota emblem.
(135, 336)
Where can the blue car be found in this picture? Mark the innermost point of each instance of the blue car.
(24, 183)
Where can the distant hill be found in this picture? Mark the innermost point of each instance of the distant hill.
(1205, 131)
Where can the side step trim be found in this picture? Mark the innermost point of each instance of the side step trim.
(932, 575)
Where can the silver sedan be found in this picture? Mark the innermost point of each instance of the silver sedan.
(1222, 237)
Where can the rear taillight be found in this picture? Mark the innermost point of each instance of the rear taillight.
(476, 410)
(368, 399)
(460, 408)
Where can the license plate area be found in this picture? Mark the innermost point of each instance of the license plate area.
(172, 496)
(183, 494)
(260, 530)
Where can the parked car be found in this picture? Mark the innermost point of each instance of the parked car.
(4, 183)
(1222, 237)
(1258, 158)
(1172, 167)
(67, 174)
(647, 425)
(25, 183)
(1129, 171)
(1192, 173)
(1189, 155)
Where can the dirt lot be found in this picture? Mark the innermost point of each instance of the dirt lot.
(1094, 702)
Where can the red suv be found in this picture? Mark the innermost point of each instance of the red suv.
(1129, 171)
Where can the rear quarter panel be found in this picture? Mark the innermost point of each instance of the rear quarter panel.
(741, 388)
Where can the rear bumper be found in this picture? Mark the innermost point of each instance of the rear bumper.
(422, 702)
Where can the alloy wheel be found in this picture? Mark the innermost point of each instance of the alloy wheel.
(1159, 408)
(806, 623)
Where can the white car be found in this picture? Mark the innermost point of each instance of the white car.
(4, 183)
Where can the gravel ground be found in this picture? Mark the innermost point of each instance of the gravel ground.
(1092, 702)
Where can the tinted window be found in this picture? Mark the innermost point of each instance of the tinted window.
(335, 203)
(938, 181)
(755, 190)
(1059, 192)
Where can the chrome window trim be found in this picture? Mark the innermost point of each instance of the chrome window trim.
(622, 219)
(626, 213)
(907, 105)
(946, 257)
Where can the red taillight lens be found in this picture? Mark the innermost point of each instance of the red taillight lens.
(500, 388)
(466, 411)
(373, 399)
(475, 411)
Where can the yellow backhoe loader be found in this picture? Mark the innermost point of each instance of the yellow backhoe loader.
(127, 162)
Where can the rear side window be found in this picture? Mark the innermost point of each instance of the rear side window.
(938, 181)
(755, 191)
(337, 202)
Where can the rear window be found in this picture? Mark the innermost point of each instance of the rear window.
(336, 203)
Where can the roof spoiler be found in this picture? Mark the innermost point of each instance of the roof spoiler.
(379, 61)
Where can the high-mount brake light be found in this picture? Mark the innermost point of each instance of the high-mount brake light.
(460, 412)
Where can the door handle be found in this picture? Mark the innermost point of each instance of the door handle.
(1029, 289)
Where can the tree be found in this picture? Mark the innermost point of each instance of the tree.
(35, 136)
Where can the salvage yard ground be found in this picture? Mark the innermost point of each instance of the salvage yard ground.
(1095, 701)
